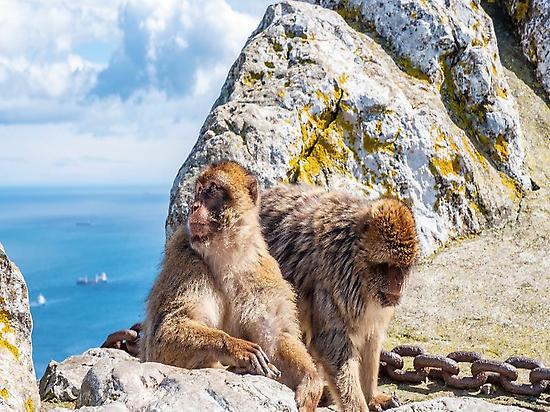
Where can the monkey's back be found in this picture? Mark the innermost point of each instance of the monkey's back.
(312, 234)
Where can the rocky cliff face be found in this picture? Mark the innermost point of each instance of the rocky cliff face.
(378, 98)
(18, 390)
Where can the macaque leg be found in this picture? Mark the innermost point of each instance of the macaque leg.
(332, 347)
(341, 363)
(369, 374)
(298, 372)
(187, 343)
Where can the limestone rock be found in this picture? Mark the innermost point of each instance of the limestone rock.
(455, 405)
(451, 44)
(533, 20)
(157, 387)
(61, 381)
(313, 99)
(18, 389)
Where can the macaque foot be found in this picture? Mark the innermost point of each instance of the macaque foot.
(382, 401)
(251, 358)
(273, 374)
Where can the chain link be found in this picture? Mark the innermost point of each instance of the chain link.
(446, 368)
(419, 374)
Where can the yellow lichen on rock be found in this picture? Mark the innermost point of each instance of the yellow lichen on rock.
(407, 66)
(444, 166)
(29, 406)
(252, 78)
(515, 191)
(501, 92)
(373, 145)
(4, 319)
(474, 153)
(4, 393)
(323, 140)
(521, 11)
(501, 147)
(343, 78)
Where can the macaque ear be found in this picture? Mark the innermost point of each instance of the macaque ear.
(253, 189)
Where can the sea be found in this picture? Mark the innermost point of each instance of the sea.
(59, 235)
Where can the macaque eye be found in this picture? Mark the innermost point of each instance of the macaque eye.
(212, 189)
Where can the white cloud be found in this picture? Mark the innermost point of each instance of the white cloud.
(45, 30)
(127, 82)
(68, 79)
(166, 43)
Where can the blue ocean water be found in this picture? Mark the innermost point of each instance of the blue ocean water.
(57, 235)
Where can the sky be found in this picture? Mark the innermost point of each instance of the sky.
(106, 92)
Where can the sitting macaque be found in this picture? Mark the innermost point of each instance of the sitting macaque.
(220, 298)
(348, 260)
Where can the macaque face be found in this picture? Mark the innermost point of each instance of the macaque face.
(210, 201)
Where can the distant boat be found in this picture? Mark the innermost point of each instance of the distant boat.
(41, 299)
(102, 278)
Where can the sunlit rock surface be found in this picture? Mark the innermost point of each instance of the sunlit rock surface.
(61, 381)
(316, 98)
(18, 389)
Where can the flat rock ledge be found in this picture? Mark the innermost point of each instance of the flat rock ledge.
(111, 380)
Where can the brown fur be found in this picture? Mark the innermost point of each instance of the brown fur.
(220, 296)
(348, 260)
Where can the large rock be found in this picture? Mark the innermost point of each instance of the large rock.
(18, 390)
(156, 387)
(61, 381)
(533, 21)
(312, 99)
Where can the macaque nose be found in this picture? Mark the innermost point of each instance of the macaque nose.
(195, 207)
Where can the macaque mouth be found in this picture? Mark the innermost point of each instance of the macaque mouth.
(199, 230)
(393, 283)
(389, 299)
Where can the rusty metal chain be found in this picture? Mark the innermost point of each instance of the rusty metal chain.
(425, 366)
(447, 369)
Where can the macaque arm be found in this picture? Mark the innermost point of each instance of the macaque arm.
(187, 343)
